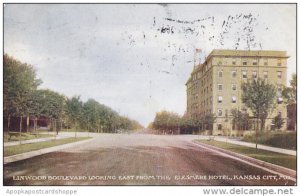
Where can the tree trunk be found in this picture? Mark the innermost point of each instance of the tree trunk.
(20, 135)
(55, 129)
(262, 124)
(35, 124)
(50, 126)
(75, 129)
(27, 123)
(8, 122)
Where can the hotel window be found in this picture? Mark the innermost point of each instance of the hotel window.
(233, 62)
(278, 62)
(220, 87)
(233, 99)
(244, 62)
(220, 112)
(219, 127)
(220, 99)
(220, 74)
(233, 73)
(233, 87)
(254, 62)
(244, 74)
(279, 74)
(265, 62)
(254, 74)
(265, 75)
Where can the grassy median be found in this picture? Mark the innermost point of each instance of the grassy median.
(284, 160)
(18, 149)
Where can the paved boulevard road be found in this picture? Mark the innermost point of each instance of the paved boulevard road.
(137, 159)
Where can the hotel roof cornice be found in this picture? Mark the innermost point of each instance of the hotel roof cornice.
(240, 53)
(243, 53)
(248, 53)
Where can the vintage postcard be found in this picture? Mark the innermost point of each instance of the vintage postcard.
(149, 94)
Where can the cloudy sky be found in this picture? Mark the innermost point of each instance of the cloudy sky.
(137, 58)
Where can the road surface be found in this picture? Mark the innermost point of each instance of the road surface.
(137, 159)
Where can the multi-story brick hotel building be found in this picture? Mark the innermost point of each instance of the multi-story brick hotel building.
(215, 85)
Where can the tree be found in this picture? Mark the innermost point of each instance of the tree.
(36, 105)
(187, 125)
(278, 122)
(259, 96)
(74, 111)
(290, 93)
(19, 81)
(198, 122)
(166, 121)
(209, 120)
(48, 104)
(240, 120)
(91, 114)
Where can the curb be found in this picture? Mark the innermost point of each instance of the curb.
(27, 155)
(254, 162)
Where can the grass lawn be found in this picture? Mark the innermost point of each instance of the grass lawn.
(25, 136)
(287, 161)
(18, 149)
(287, 140)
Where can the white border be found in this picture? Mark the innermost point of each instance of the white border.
(132, 190)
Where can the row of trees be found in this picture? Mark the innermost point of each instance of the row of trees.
(23, 98)
(91, 115)
(170, 122)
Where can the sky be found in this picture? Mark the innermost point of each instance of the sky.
(136, 58)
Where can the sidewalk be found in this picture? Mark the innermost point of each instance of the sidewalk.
(14, 143)
(259, 146)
